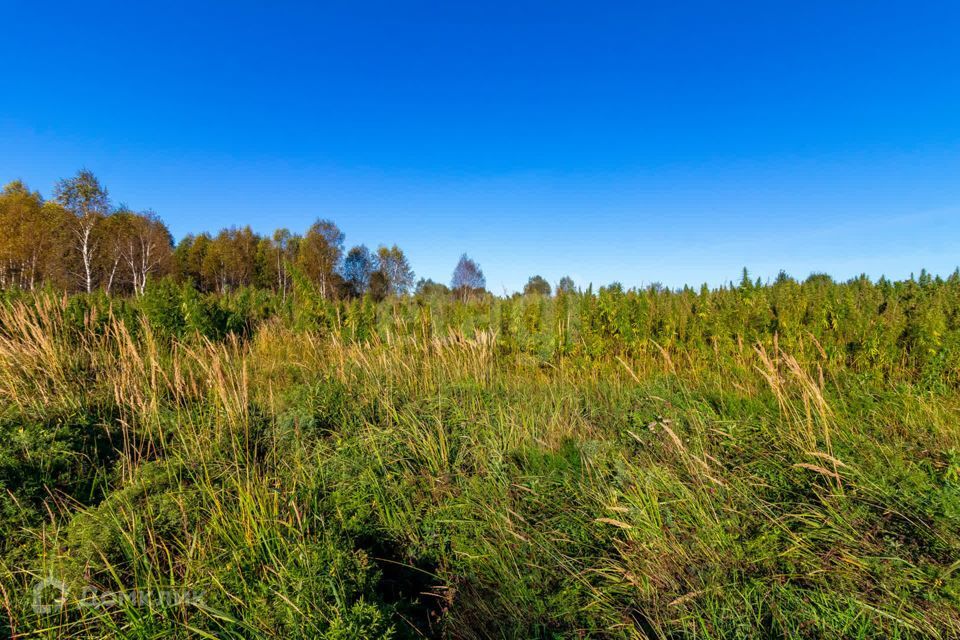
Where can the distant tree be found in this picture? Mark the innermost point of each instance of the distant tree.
(109, 237)
(132, 247)
(783, 278)
(284, 247)
(393, 264)
(819, 279)
(379, 285)
(428, 288)
(745, 282)
(147, 248)
(467, 278)
(536, 286)
(189, 257)
(566, 285)
(229, 259)
(88, 201)
(615, 287)
(57, 262)
(32, 241)
(319, 254)
(18, 208)
(358, 266)
(214, 272)
(266, 271)
(181, 255)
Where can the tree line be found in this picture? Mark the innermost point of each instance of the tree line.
(78, 241)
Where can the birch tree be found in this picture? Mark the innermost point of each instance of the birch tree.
(84, 197)
(320, 251)
(146, 247)
(396, 270)
(467, 278)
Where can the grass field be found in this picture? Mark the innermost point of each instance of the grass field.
(753, 461)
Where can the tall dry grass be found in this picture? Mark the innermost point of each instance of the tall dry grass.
(440, 483)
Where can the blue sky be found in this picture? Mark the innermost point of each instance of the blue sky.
(675, 142)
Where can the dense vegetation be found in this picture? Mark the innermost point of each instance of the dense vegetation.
(752, 461)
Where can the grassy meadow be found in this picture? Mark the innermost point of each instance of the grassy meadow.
(778, 460)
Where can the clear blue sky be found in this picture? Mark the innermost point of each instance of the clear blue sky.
(673, 142)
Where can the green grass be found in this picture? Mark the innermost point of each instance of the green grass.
(779, 461)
